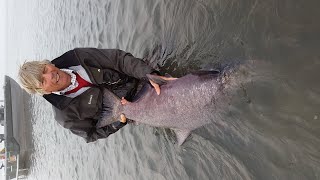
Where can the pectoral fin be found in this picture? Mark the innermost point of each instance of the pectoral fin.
(181, 135)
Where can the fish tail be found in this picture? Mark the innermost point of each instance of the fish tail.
(236, 74)
(111, 109)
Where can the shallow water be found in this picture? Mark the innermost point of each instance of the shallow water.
(270, 131)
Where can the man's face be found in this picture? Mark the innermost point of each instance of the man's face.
(53, 79)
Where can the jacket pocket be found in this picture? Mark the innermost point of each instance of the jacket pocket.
(88, 103)
(111, 77)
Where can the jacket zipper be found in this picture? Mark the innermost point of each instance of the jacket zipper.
(112, 83)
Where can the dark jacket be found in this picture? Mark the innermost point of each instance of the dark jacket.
(114, 69)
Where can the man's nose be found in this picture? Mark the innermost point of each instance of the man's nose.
(47, 76)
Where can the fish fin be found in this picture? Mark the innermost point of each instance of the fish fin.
(156, 79)
(111, 109)
(205, 73)
(145, 88)
(168, 75)
(181, 135)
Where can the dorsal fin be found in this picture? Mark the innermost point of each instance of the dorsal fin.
(156, 79)
(168, 75)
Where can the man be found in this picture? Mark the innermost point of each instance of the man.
(73, 84)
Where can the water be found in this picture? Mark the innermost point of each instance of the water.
(271, 130)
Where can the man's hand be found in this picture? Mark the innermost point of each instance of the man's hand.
(157, 87)
(123, 118)
(124, 101)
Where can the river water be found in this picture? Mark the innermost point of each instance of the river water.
(270, 131)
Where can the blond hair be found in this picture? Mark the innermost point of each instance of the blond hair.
(30, 76)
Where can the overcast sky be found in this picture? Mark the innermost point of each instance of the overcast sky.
(2, 51)
(2, 44)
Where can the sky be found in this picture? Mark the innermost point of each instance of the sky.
(2, 44)
(2, 55)
(2, 50)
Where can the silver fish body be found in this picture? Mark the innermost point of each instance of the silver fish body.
(183, 103)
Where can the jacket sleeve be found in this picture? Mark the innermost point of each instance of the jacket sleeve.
(86, 128)
(116, 59)
(93, 133)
